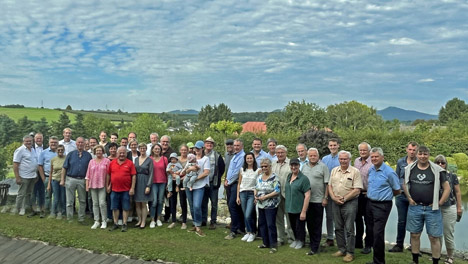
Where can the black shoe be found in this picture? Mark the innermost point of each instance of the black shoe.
(311, 253)
(114, 227)
(203, 224)
(263, 246)
(396, 248)
(366, 250)
(32, 214)
(124, 228)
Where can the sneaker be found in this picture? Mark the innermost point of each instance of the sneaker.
(152, 224)
(212, 226)
(328, 243)
(184, 226)
(366, 250)
(14, 211)
(396, 248)
(348, 258)
(104, 225)
(200, 233)
(193, 229)
(124, 228)
(251, 238)
(231, 235)
(245, 237)
(96, 225)
(32, 214)
(293, 244)
(273, 250)
(120, 222)
(338, 254)
(171, 226)
(42, 214)
(114, 227)
(59, 216)
(299, 245)
(311, 253)
(129, 219)
(22, 211)
(159, 223)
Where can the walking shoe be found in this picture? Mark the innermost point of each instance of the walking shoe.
(212, 226)
(124, 228)
(396, 248)
(366, 250)
(338, 254)
(273, 250)
(184, 226)
(96, 224)
(152, 224)
(311, 253)
(59, 216)
(171, 226)
(200, 233)
(104, 225)
(14, 211)
(251, 238)
(293, 244)
(42, 214)
(193, 229)
(120, 222)
(348, 258)
(245, 237)
(32, 214)
(328, 243)
(231, 235)
(299, 245)
(22, 211)
(158, 222)
(114, 227)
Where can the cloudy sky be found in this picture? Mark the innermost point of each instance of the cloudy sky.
(251, 55)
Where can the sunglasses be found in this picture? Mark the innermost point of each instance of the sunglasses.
(264, 166)
(440, 163)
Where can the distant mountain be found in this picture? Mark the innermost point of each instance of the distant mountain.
(392, 112)
(185, 111)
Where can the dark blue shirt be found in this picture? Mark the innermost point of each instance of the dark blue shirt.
(400, 170)
(382, 182)
(75, 165)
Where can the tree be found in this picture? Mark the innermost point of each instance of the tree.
(43, 127)
(25, 126)
(78, 127)
(69, 108)
(60, 124)
(318, 139)
(94, 125)
(452, 111)
(227, 127)
(3, 164)
(8, 130)
(212, 114)
(145, 124)
(353, 115)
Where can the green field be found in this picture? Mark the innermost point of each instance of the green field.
(34, 114)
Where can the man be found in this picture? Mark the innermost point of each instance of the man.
(114, 137)
(271, 145)
(383, 184)
(318, 175)
(124, 142)
(258, 151)
(92, 143)
(38, 143)
(211, 192)
(154, 139)
(423, 180)
(301, 150)
(44, 172)
(331, 160)
(363, 164)
(103, 141)
(401, 202)
(281, 168)
(232, 177)
(39, 193)
(344, 187)
(67, 142)
(166, 152)
(121, 177)
(131, 136)
(73, 178)
(25, 170)
(229, 144)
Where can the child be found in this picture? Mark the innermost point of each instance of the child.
(174, 167)
(192, 176)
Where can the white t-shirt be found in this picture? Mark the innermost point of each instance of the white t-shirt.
(204, 164)
(27, 160)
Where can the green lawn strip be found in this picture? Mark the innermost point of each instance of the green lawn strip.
(34, 114)
(167, 244)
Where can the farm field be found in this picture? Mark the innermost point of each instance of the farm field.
(34, 114)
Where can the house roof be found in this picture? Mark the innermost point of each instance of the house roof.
(254, 127)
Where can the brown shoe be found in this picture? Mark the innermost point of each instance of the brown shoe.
(348, 258)
(193, 229)
(338, 254)
(200, 233)
(212, 226)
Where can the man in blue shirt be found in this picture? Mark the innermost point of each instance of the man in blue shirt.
(232, 178)
(44, 170)
(258, 151)
(74, 168)
(383, 185)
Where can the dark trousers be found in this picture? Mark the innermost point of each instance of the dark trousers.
(378, 213)
(237, 222)
(402, 205)
(360, 224)
(183, 204)
(314, 218)
(267, 226)
(211, 193)
(297, 226)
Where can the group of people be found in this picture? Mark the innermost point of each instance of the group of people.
(268, 194)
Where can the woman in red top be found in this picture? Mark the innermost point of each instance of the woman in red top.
(159, 184)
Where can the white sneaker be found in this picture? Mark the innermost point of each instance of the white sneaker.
(96, 225)
(22, 211)
(120, 222)
(245, 237)
(159, 223)
(299, 245)
(130, 219)
(152, 224)
(293, 244)
(104, 225)
(251, 238)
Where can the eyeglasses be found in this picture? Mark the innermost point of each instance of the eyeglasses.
(264, 166)
(440, 162)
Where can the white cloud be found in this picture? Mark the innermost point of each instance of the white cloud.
(402, 41)
(426, 80)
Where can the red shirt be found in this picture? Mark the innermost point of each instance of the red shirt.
(159, 170)
(121, 175)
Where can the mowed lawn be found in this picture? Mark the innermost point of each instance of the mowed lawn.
(34, 114)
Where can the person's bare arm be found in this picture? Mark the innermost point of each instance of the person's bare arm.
(305, 206)
(16, 172)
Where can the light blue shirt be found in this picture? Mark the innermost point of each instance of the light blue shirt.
(44, 160)
(382, 182)
(261, 155)
(301, 163)
(234, 167)
(272, 157)
(331, 161)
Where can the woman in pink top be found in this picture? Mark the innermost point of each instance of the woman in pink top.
(95, 184)
(159, 184)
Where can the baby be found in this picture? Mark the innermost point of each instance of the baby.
(192, 176)
(173, 168)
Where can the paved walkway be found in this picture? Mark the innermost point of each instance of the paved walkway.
(18, 251)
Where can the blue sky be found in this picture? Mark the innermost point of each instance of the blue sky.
(157, 56)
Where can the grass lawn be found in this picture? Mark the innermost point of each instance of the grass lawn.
(34, 114)
(169, 244)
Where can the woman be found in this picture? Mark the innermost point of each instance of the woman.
(58, 191)
(133, 153)
(95, 184)
(112, 151)
(159, 184)
(245, 194)
(183, 150)
(451, 209)
(297, 192)
(267, 190)
(144, 180)
(195, 196)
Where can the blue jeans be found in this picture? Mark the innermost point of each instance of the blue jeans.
(39, 193)
(267, 226)
(59, 198)
(195, 199)
(235, 210)
(419, 214)
(247, 202)
(211, 193)
(402, 204)
(157, 191)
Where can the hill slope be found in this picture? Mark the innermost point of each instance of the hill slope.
(392, 112)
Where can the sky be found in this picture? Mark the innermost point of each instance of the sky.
(162, 55)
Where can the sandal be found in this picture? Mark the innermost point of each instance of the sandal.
(262, 246)
(449, 261)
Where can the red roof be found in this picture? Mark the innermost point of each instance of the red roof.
(254, 127)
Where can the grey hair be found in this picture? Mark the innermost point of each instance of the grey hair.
(364, 143)
(377, 150)
(122, 147)
(239, 140)
(313, 149)
(300, 144)
(168, 137)
(265, 161)
(53, 138)
(154, 134)
(281, 147)
(26, 137)
(440, 157)
(345, 152)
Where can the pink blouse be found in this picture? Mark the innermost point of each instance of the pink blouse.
(97, 172)
(159, 170)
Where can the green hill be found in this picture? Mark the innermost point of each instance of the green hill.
(34, 114)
